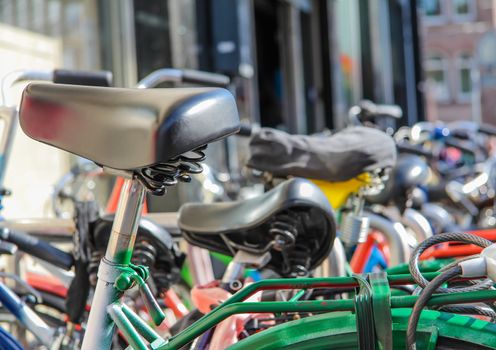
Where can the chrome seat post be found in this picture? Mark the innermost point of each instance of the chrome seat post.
(100, 327)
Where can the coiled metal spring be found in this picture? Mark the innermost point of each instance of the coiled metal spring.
(296, 253)
(284, 230)
(158, 177)
(300, 259)
(163, 274)
(144, 254)
(94, 263)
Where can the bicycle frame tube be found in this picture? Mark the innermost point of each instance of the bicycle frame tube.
(396, 236)
(100, 327)
(335, 264)
(9, 117)
(418, 223)
(200, 265)
(27, 317)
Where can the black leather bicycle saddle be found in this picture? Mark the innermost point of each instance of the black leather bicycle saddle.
(127, 129)
(295, 207)
(339, 157)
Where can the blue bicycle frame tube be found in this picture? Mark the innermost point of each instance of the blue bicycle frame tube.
(27, 317)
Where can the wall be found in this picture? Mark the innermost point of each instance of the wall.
(451, 37)
(33, 167)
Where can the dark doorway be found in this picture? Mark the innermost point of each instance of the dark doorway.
(269, 73)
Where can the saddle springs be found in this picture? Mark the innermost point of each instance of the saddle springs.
(296, 253)
(160, 176)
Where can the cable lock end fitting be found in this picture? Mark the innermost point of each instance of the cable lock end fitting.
(484, 265)
(489, 254)
(474, 267)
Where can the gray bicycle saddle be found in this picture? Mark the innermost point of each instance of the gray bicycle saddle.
(127, 129)
(249, 225)
(339, 157)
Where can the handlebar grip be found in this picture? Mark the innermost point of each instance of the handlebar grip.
(245, 130)
(487, 129)
(38, 248)
(460, 134)
(75, 77)
(205, 78)
(411, 149)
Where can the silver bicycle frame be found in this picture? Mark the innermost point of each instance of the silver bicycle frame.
(396, 236)
(335, 264)
(9, 117)
(100, 327)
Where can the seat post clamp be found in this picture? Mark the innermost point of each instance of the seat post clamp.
(109, 272)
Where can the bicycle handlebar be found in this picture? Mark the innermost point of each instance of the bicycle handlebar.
(15, 77)
(487, 129)
(104, 78)
(89, 78)
(38, 248)
(372, 109)
(205, 78)
(414, 149)
(59, 76)
(183, 76)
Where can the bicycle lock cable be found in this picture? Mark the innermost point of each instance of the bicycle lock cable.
(468, 267)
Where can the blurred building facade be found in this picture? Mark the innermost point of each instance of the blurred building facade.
(295, 64)
(451, 32)
(42, 35)
(298, 65)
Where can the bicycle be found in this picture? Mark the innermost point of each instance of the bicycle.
(59, 262)
(158, 164)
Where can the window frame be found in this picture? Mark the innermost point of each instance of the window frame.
(433, 20)
(470, 16)
(443, 66)
(463, 63)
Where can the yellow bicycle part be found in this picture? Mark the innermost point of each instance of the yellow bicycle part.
(337, 193)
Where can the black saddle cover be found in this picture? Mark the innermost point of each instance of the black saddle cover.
(339, 157)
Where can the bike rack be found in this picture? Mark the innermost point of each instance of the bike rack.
(379, 298)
